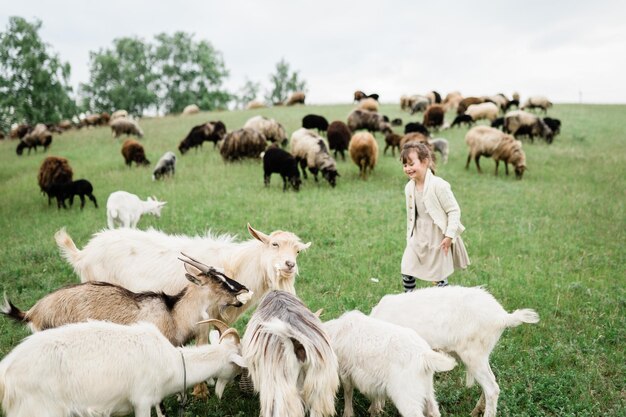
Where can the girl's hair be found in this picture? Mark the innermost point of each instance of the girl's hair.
(421, 149)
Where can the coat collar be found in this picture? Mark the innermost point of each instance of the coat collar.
(429, 176)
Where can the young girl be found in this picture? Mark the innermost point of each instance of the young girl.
(434, 248)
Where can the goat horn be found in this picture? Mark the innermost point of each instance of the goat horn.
(219, 325)
(318, 313)
(194, 262)
(233, 332)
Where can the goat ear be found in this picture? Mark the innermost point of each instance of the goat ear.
(238, 360)
(192, 270)
(305, 246)
(193, 279)
(258, 235)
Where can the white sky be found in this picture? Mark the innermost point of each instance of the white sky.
(566, 50)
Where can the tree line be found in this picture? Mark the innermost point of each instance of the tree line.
(161, 76)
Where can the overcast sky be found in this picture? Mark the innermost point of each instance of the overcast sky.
(566, 50)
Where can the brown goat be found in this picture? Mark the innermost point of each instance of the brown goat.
(133, 151)
(53, 170)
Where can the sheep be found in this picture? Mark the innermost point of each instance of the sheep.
(126, 209)
(282, 162)
(296, 97)
(462, 118)
(368, 104)
(37, 136)
(166, 165)
(19, 131)
(255, 104)
(53, 170)
(434, 116)
(498, 123)
(416, 127)
(486, 110)
(537, 102)
(363, 150)
(133, 151)
(553, 124)
(382, 360)
(212, 131)
(314, 121)
(68, 190)
(372, 121)
(392, 140)
(311, 152)
(242, 143)
(147, 260)
(118, 114)
(465, 321)
(358, 95)
(418, 103)
(101, 368)
(94, 119)
(126, 126)
(518, 122)
(433, 97)
(191, 109)
(452, 100)
(511, 103)
(289, 358)
(207, 291)
(338, 135)
(272, 130)
(488, 141)
(441, 145)
(466, 102)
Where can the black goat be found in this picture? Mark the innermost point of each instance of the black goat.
(276, 160)
(314, 121)
(67, 190)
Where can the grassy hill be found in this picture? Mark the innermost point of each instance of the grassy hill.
(553, 241)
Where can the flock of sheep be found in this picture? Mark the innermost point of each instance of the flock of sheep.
(145, 294)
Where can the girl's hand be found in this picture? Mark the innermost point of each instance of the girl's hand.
(445, 244)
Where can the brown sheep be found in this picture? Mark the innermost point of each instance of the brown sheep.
(126, 126)
(133, 152)
(372, 121)
(38, 136)
(364, 152)
(296, 98)
(338, 135)
(243, 143)
(392, 140)
(489, 141)
(466, 102)
(434, 116)
(53, 170)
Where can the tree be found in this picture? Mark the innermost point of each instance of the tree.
(247, 93)
(189, 72)
(121, 78)
(283, 83)
(34, 86)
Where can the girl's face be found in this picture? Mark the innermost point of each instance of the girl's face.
(414, 168)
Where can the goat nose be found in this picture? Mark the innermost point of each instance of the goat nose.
(290, 264)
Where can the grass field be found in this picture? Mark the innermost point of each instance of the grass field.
(553, 241)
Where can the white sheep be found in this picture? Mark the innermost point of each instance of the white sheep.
(290, 360)
(441, 145)
(486, 110)
(126, 208)
(540, 102)
(489, 141)
(102, 368)
(311, 151)
(465, 321)
(384, 360)
(270, 128)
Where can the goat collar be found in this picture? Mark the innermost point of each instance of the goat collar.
(183, 398)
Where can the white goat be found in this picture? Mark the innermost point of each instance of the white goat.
(460, 320)
(126, 208)
(101, 369)
(147, 260)
(290, 359)
(385, 360)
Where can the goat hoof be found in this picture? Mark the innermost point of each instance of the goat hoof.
(201, 391)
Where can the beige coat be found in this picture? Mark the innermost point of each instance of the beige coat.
(440, 205)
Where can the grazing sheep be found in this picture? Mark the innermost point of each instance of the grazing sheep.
(282, 162)
(290, 360)
(441, 145)
(314, 121)
(68, 190)
(364, 152)
(118, 114)
(272, 130)
(133, 151)
(498, 123)
(338, 135)
(368, 104)
(392, 140)
(416, 127)
(166, 166)
(462, 118)
(465, 321)
(383, 360)
(311, 152)
(466, 102)
(488, 141)
(520, 122)
(486, 110)
(372, 121)
(418, 103)
(434, 116)
(537, 102)
(148, 260)
(242, 143)
(126, 208)
(102, 369)
(91, 120)
(38, 136)
(212, 131)
(53, 170)
(553, 124)
(191, 109)
(452, 100)
(296, 98)
(125, 126)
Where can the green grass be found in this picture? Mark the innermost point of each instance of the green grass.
(553, 241)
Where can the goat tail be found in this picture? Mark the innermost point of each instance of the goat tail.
(9, 310)
(68, 249)
(525, 315)
(437, 361)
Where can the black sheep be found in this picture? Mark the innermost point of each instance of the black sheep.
(553, 124)
(416, 127)
(314, 121)
(498, 123)
(277, 160)
(213, 131)
(339, 138)
(462, 118)
(67, 190)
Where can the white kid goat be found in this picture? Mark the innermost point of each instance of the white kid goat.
(126, 209)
